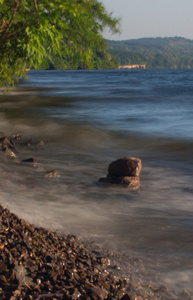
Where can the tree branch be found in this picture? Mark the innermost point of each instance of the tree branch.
(35, 3)
(2, 15)
(2, 25)
(11, 21)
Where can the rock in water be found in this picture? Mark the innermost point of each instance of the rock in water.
(125, 166)
(124, 171)
(30, 160)
(131, 182)
(52, 174)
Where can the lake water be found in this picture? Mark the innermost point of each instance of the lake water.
(87, 119)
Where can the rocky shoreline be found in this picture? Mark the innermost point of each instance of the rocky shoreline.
(36, 263)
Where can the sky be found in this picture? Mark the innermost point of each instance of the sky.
(151, 18)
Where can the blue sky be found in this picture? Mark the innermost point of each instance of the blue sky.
(151, 18)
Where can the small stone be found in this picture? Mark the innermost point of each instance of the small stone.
(99, 292)
(30, 160)
(126, 297)
(16, 293)
(5, 141)
(105, 261)
(120, 294)
(17, 137)
(9, 153)
(52, 174)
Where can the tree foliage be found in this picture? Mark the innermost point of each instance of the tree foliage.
(100, 59)
(31, 31)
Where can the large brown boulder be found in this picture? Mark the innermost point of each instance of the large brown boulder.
(125, 166)
(124, 171)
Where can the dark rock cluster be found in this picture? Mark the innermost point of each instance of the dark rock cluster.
(38, 264)
(124, 171)
(11, 146)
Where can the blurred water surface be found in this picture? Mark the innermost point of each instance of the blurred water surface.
(88, 119)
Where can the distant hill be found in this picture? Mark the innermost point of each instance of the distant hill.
(166, 53)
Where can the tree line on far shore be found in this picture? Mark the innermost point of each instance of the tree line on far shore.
(156, 53)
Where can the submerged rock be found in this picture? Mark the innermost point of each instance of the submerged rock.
(126, 181)
(52, 174)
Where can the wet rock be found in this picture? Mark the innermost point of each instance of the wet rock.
(105, 261)
(126, 181)
(9, 153)
(17, 137)
(7, 144)
(185, 295)
(33, 142)
(126, 166)
(126, 297)
(52, 174)
(41, 143)
(21, 275)
(5, 141)
(120, 294)
(30, 160)
(124, 171)
(97, 291)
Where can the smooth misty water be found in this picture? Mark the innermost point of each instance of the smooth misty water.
(88, 119)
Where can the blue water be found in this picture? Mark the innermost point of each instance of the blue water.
(157, 103)
(88, 119)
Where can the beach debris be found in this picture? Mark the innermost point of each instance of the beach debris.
(124, 171)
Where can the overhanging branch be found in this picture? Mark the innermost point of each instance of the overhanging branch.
(11, 21)
(35, 3)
